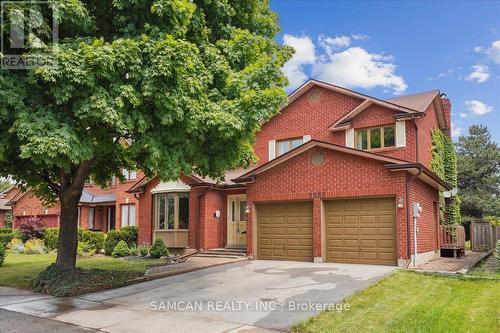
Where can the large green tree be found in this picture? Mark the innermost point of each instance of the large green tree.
(479, 173)
(165, 86)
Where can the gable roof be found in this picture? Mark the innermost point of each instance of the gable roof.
(91, 198)
(3, 204)
(393, 164)
(308, 145)
(418, 101)
(413, 105)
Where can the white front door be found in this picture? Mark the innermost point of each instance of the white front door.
(236, 220)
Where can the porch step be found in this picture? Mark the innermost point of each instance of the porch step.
(205, 255)
(231, 252)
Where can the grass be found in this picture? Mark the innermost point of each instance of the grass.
(19, 270)
(413, 302)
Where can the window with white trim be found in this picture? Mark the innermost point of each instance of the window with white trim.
(129, 174)
(171, 211)
(375, 137)
(91, 217)
(128, 215)
(284, 146)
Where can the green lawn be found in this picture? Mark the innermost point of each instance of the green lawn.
(412, 302)
(19, 269)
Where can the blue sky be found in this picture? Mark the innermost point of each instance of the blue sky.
(387, 49)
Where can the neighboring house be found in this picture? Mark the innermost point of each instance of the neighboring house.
(99, 209)
(336, 178)
(5, 196)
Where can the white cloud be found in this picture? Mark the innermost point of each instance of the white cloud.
(494, 51)
(463, 115)
(478, 108)
(332, 44)
(480, 74)
(357, 68)
(456, 131)
(339, 62)
(304, 55)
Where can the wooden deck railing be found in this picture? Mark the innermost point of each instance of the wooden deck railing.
(452, 237)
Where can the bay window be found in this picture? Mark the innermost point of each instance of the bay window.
(171, 211)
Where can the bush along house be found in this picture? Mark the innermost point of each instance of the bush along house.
(99, 209)
(337, 176)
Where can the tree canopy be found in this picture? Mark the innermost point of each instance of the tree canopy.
(479, 173)
(185, 83)
(165, 86)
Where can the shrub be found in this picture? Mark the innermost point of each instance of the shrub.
(3, 254)
(85, 249)
(134, 251)
(143, 250)
(94, 238)
(5, 231)
(51, 238)
(6, 239)
(112, 239)
(34, 246)
(121, 249)
(16, 245)
(497, 254)
(130, 235)
(158, 249)
(31, 228)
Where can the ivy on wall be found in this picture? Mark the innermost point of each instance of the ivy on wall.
(444, 164)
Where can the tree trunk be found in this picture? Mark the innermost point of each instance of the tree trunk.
(69, 193)
(68, 229)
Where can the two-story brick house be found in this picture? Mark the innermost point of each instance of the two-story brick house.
(336, 178)
(99, 209)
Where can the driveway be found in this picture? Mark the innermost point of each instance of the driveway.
(249, 296)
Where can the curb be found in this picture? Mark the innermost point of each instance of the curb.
(188, 270)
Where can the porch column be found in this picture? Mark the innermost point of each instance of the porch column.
(316, 229)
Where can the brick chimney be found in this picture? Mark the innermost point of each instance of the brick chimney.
(447, 114)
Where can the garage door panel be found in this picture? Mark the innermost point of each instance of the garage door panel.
(361, 231)
(291, 231)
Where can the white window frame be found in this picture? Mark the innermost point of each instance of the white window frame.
(91, 218)
(130, 220)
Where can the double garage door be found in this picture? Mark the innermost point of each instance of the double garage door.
(356, 231)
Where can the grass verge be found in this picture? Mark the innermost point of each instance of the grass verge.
(94, 273)
(413, 302)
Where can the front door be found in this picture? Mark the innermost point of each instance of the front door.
(236, 220)
(111, 217)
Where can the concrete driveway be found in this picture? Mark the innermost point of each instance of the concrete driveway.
(249, 296)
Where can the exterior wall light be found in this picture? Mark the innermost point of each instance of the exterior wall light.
(400, 202)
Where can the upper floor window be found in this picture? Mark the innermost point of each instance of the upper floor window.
(283, 146)
(129, 175)
(376, 137)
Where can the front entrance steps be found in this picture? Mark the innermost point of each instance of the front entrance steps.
(234, 253)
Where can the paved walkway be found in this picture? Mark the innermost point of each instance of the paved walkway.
(453, 265)
(190, 265)
(244, 297)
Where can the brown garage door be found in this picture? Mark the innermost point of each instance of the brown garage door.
(285, 231)
(361, 231)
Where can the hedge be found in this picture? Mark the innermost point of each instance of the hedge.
(130, 235)
(94, 238)
(112, 238)
(51, 238)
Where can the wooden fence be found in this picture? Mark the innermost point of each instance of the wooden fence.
(452, 237)
(483, 236)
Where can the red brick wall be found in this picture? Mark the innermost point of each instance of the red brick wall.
(29, 205)
(145, 219)
(303, 117)
(425, 126)
(340, 176)
(427, 223)
(2, 218)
